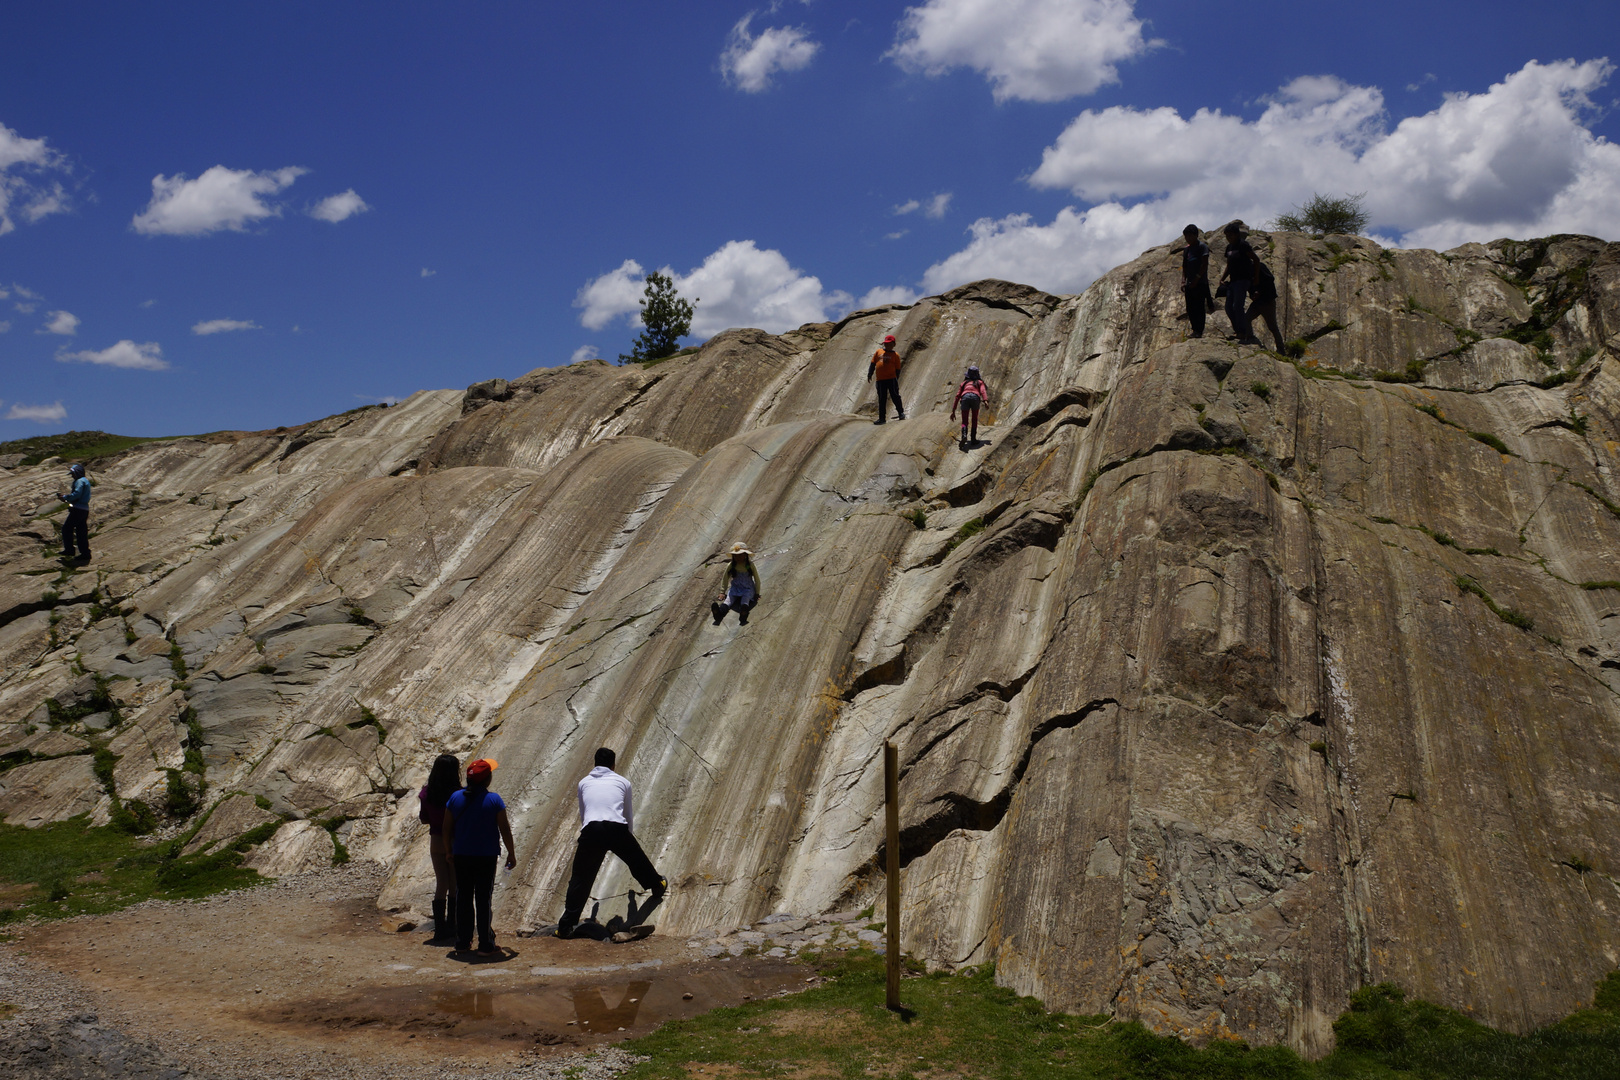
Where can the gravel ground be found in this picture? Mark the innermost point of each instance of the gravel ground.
(53, 1028)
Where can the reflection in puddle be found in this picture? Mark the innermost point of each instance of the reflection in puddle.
(466, 1002)
(593, 1013)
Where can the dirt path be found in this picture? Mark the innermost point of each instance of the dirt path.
(300, 979)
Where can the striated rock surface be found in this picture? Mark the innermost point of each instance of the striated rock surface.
(1223, 684)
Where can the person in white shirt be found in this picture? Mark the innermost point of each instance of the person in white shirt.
(605, 818)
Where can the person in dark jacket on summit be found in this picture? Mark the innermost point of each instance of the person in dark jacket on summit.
(77, 525)
(1195, 279)
(606, 820)
(1238, 280)
(886, 366)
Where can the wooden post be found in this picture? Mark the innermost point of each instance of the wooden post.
(891, 927)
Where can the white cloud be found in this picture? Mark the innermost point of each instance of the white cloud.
(146, 303)
(749, 62)
(125, 354)
(220, 326)
(738, 285)
(1515, 160)
(24, 186)
(220, 198)
(1036, 50)
(387, 399)
(44, 414)
(428, 273)
(335, 208)
(886, 294)
(896, 235)
(585, 352)
(4, 326)
(933, 208)
(62, 322)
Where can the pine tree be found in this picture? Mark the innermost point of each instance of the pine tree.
(665, 318)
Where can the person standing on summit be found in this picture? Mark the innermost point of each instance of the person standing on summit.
(77, 525)
(1195, 279)
(605, 823)
(886, 366)
(1238, 280)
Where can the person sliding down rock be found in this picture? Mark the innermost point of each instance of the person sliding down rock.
(886, 366)
(77, 525)
(742, 586)
(970, 395)
(606, 820)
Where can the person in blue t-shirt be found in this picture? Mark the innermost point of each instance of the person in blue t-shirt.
(77, 525)
(475, 822)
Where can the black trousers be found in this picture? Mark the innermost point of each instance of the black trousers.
(1199, 303)
(77, 526)
(596, 839)
(891, 387)
(475, 886)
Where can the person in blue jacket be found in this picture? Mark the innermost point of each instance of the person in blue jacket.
(475, 821)
(77, 525)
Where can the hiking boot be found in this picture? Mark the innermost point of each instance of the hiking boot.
(659, 889)
(718, 610)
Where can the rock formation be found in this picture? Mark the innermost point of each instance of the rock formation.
(1223, 683)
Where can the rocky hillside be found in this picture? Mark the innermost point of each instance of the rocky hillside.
(1223, 683)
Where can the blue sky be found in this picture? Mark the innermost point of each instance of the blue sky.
(356, 201)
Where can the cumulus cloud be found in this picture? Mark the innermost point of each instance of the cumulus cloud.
(1034, 50)
(44, 414)
(220, 198)
(124, 354)
(428, 273)
(1514, 160)
(886, 294)
(62, 322)
(221, 326)
(585, 352)
(738, 285)
(336, 208)
(748, 62)
(27, 187)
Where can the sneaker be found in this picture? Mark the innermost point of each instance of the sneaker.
(717, 611)
(488, 950)
(880, 421)
(632, 933)
(660, 889)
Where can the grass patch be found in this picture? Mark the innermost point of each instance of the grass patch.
(968, 530)
(71, 868)
(1260, 390)
(1491, 441)
(966, 1026)
(1594, 585)
(1434, 411)
(72, 446)
(1411, 373)
(1507, 615)
(1607, 503)
(917, 518)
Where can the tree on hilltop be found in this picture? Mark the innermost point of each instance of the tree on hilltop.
(665, 319)
(1326, 215)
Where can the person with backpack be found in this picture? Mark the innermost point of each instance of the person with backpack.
(606, 822)
(475, 821)
(741, 586)
(1265, 302)
(970, 395)
(443, 781)
(1237, 280)
(886, 366)
(77, 525)
(1195, 279)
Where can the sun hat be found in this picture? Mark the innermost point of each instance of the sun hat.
(481, 767)
(889, 340)
(739, 548)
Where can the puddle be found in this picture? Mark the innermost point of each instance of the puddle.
(572, 1007)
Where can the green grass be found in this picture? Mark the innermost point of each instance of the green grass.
(1508, 615)
(966, 532)
(966, 1026)
(1491, 441)
(73, 868)
(72, 446)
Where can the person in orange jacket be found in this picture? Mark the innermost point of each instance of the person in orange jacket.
(886, 366)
